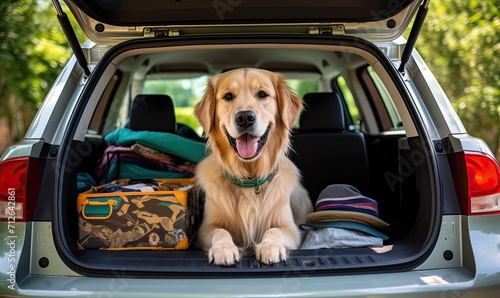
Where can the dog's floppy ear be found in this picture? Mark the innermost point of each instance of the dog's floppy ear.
(205, 108)
(290, 105)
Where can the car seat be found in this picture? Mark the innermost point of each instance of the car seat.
(324, 150)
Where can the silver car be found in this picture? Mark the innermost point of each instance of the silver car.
(393, 135)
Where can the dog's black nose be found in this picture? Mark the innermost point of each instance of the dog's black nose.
(245, 118)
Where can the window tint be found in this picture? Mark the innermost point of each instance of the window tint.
(301, 87)
(349, 101)
(185, 93)
(380, 100)
(386, 98)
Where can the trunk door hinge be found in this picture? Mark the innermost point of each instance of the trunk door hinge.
(328, 30)
(161, 32)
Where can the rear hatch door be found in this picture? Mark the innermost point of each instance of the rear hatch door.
(113, 21)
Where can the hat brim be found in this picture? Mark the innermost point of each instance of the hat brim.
(338, 215)
(348, 225)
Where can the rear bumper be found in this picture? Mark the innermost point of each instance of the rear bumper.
(431, 283)
(478, 275)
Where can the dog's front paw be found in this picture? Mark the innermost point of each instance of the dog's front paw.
(270, 252)
(225, 253)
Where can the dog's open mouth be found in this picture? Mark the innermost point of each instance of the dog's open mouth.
(247, 145)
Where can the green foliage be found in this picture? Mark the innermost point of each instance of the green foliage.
(301, 87)
(349, 99)
(185, 116)
(185, 93)
(460, 41)
(180, 91)
(33, 50)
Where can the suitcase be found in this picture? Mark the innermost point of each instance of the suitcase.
(138, 215)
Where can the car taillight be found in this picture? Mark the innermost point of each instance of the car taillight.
(20, 180)
(483, 177)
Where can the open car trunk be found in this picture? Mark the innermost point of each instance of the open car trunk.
(401, 174)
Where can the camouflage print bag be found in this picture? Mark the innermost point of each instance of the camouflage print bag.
(136, 220)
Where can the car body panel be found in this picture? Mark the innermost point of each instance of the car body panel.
(27, 147)
(129, 12)
(446, 121)
(411, 284)
(57, 106)
(107, 22)
(478, 274)
(13, 237)
(460, 255)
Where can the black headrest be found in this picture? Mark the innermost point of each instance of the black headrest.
(153, 112)
(323, 111)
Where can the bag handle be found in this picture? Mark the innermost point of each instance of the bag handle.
(110, 202)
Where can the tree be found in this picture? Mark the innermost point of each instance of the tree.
(33, 51)
(14, 57)
(460, 41)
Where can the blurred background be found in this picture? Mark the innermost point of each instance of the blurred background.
(460, 42)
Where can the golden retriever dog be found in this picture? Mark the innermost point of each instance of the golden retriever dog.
(254, 199)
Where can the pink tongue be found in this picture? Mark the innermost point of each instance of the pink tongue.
(247, 146)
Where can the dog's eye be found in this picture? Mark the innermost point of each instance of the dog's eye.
(261, 94)
(228, 96)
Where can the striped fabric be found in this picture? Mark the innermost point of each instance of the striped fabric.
(353, 203)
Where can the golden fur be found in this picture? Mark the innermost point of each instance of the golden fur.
(236, 218)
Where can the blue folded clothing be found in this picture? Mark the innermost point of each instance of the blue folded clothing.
(141, 187)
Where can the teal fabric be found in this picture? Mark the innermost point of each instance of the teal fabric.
(85, 181)
(166, 142)
(132, 171)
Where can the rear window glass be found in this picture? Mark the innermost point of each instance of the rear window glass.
(349, 101)
(386, 99)
(185, 93)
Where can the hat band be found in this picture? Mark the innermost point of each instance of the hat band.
(353, 203)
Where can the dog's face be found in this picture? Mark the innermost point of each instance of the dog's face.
(247, 105)
(247, 112)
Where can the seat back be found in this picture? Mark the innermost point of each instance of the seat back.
(324, 151)
(153, 112)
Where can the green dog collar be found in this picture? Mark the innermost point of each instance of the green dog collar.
(249, 182)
